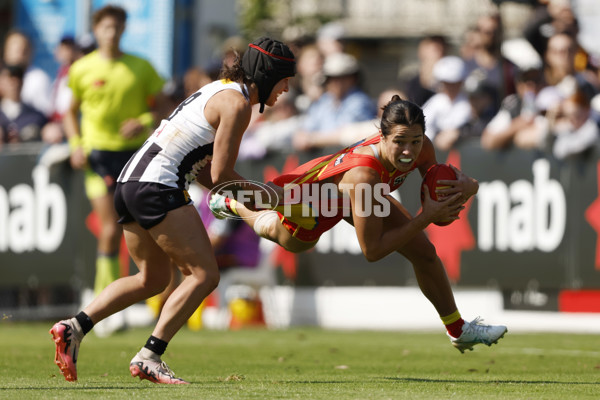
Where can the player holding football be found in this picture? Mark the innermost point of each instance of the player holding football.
(160, 223)
(387, 158)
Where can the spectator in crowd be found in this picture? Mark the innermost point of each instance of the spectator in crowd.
(488, 62)
(19, 122)
(114, 92)
(482, 98)
(517, 114)
(421, 86)
(560, 71)
(449, 108)
(273, 130)
(549, 18)
(547, 106)
(343, 102)
(178, 89)
(86, 43)
(193, 79)
(470, 44)
(309, 80)
(356, 131)
(574, 130)
(559, 59)
(36, 89)
(330, 39)
(66, 52)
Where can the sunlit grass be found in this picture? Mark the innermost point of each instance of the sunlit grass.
(307, 364)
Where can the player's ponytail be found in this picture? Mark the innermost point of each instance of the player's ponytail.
(401, 112)
(235, 72)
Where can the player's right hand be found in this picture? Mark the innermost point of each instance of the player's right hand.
(442, 210)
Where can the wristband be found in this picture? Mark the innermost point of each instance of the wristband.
(146, 119)
(74, 142)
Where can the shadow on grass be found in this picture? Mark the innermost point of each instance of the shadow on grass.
(491, 381)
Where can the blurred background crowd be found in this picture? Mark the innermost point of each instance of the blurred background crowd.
(535, 88)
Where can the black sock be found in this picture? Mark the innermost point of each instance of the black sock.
(85, 322)
(156, 345)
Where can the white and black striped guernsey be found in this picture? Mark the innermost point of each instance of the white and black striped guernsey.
(181, 146)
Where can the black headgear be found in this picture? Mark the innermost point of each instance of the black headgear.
(266, 62)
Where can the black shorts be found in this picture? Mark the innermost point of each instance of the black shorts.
(108, 164)
(147, 203)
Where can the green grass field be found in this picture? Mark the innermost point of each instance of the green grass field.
(307, 364)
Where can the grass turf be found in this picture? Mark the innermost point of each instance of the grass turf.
(307, 364)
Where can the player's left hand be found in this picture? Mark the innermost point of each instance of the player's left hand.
(463, 184)
(131, 128)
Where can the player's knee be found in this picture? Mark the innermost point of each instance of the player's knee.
(154, 283)
(212, 279)
(265, 224)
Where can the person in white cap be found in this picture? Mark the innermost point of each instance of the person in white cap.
(449, 108)
(343, 102)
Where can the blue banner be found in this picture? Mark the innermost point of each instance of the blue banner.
(46, 22)
(149, 31)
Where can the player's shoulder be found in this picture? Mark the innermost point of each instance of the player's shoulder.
(225, 104)
(231, 99)
(361, 174)
(83, 63)
(136, 61)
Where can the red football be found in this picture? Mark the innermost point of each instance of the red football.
(435, 173)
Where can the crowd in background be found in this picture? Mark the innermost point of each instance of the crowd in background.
(538, 91)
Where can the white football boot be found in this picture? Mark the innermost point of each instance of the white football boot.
(153, 369)
(475, 332)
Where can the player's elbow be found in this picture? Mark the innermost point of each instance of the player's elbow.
(475, 186)
(218, 177)
(372, 253)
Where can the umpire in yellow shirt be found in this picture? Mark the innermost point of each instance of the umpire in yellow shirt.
(114, 93)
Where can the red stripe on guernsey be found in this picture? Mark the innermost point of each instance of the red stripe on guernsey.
(271, 54)
(579, 301)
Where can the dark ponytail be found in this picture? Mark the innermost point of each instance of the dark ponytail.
(235, 72)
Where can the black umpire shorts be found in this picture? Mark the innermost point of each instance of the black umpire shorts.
(147, 203)
(108, 164)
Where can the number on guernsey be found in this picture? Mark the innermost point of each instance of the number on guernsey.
(183, 103)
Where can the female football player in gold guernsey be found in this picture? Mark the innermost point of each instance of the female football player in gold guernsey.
(382, 224)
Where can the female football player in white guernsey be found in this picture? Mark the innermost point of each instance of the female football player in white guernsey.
(198, 141)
